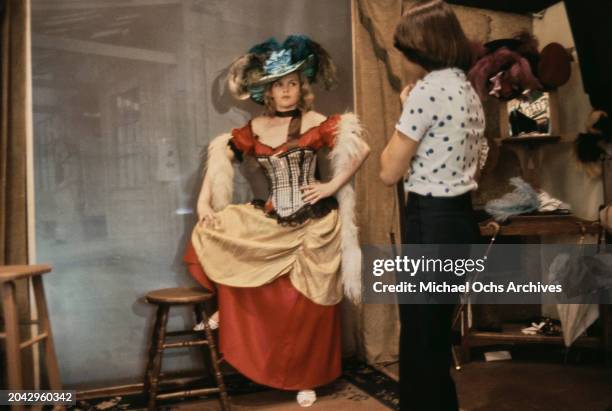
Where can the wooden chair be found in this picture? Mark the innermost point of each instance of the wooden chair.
(8, 276)
(164, 299)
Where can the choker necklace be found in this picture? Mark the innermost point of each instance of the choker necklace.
(296, 112)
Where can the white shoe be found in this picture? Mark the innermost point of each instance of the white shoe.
(306, 398)
(211, 323)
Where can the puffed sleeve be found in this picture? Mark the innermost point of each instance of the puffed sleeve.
(242, 142)
(328, 131)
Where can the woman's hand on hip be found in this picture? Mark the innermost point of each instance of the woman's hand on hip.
(314, 192)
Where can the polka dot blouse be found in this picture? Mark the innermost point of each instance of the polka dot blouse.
(444, 114)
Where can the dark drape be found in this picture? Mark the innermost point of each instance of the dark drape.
(592, 31)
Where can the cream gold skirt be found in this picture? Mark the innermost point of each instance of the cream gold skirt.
(245, 248)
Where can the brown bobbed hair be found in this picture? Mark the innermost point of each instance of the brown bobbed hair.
(304, 104)
(430, 35)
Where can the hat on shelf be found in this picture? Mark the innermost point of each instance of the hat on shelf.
(555, 66)
(269, 61)
(507, 68)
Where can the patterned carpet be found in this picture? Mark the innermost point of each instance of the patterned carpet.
(361, 387)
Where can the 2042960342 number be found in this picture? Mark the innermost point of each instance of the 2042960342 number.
(35, 397)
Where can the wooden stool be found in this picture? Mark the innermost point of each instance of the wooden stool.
(8, 275)
(164, 299)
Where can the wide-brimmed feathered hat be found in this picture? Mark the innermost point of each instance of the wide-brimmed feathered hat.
(270, 60)
(506, 68)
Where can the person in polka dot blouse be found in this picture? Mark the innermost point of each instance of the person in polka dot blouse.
(439, 144)
(444, 116)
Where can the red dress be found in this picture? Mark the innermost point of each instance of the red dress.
(273, 334)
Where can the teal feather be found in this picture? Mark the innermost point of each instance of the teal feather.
(299, 45)
(266, 47)
(524, 199)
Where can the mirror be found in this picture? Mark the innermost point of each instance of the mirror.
(530, 115)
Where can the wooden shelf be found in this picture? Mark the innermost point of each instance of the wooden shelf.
(511, 333)
(541, 224)
(537, 224)
(531, 139)
(529, 151)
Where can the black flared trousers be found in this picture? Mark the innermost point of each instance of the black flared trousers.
(425, 338)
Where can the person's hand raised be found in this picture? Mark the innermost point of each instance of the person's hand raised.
(405, 92)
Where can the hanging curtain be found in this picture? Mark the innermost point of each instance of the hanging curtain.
(13, 206)
(13, 218)
(592, 30)
(378, 81)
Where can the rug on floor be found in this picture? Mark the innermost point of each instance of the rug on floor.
(363, 376)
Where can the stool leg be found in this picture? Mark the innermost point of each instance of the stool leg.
(151, 354)
(43, 314)
(198, 310)
(225, 404)
(155, 365)
(13, 352)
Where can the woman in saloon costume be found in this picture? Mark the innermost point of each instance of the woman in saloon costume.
(281, 263)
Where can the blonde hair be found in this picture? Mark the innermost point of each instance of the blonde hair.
(306, 102)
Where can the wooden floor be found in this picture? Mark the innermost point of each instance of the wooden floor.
(531, 386)
(513, 385)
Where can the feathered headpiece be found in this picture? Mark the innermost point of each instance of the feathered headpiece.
(507, 68)
(268, 61)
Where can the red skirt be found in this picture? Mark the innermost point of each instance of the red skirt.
(273, 334)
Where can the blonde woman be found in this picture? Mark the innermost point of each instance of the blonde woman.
(280, 263)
